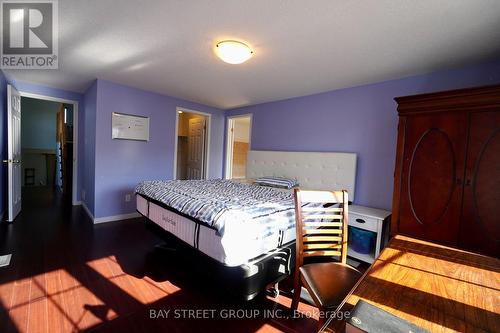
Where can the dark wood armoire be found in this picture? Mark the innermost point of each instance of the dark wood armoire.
(447, 175)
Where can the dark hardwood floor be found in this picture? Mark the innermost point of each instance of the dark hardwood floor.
(68, 275)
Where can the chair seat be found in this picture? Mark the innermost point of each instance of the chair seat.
(329, 283)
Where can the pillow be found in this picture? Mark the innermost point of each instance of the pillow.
(280, 182)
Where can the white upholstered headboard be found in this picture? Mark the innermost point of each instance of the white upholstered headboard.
(314, 171)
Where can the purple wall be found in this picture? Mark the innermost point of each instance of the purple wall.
(3, 145)
(361, 119)
(64, 94)
(121, 164)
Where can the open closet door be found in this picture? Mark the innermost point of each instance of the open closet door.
(14, 152)
(196, 148)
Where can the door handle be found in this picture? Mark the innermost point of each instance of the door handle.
(7, 161)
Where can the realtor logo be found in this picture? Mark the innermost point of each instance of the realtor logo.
(29, 34)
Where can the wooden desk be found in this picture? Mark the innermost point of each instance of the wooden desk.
(438, 288)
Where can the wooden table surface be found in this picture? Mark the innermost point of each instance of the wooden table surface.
(438, 288)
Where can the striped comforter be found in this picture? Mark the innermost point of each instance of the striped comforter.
(227, 206)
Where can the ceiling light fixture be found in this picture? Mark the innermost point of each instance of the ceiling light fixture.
(233, 52)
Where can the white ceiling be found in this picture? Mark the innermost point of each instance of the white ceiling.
(301, 47)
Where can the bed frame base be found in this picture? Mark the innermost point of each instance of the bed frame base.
(164, 247)
(245, 281)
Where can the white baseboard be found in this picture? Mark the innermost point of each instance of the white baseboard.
(116, 217)
(87, 210)
(105, 219)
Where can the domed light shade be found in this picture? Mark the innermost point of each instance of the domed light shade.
(233, 52)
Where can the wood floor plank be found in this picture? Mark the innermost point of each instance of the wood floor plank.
(6, 292)
(6, 324)
(87, 302)
(20, 306)
(56, 307)
(38, 315)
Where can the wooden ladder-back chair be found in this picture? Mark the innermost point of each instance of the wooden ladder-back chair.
(321, 224)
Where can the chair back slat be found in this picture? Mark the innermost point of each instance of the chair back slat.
(319, 238)
(323, 231)
(321, 224)
(322, 217)
(321, 209)
(322, 246)
(321, 196)
(322, 253)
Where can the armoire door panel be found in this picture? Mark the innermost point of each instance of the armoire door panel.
(432, 173)
(432, 166)
(480, 225)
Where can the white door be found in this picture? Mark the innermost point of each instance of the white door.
(14, 151)
(196, 148)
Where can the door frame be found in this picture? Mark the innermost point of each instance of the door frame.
(74, 195)
(228, 169)
(207, 139)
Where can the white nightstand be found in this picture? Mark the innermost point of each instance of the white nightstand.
(371, 219)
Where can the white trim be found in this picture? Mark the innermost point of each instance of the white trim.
(105, 219)
(116, 218)
(87, 210)
(228, 169)
(208, 134)
(47, 98)
(75, 135)
(176, 142)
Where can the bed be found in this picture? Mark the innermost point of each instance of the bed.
(245, 231)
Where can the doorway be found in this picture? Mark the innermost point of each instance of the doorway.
(239, 129)
(33, 161)
(47, 146)
(191, 146)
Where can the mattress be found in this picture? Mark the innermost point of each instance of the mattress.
(228, 206)
(232, 248)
